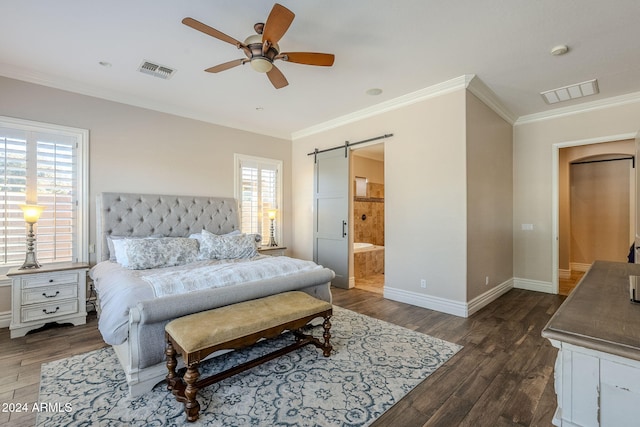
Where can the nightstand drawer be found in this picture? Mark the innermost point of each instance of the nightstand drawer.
(49, 293)
(51, 310)
(33, 280)
(52, 293)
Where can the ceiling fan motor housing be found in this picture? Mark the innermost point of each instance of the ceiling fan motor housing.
(259, 61)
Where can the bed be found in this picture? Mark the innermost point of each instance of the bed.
(137, 299)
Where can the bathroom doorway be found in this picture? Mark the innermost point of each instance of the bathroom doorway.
(367, 213)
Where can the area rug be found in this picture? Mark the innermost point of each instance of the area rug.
(373, 365)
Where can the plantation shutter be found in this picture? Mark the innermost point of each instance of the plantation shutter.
(56, 183)
(259, 192)
(13, 188)
(38, 167)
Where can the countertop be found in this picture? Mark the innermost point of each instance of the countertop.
(598, 314)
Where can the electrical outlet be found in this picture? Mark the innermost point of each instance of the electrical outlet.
(423, 283)
(486, 280)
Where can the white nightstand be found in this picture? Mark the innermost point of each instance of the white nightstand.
(52, 293)
(272, 250)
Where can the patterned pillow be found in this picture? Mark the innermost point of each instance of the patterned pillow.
(112, 250)
(141, 254)
(227, 246)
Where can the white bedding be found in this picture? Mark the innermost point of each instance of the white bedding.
(119, 288)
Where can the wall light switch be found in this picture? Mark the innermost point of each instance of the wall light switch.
(527, 227)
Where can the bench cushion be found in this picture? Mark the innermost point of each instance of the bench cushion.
(199, 331)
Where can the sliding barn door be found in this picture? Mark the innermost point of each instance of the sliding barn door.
(636, 231)
(331, 213)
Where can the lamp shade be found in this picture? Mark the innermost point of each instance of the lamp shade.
(32, 213)
(271, 213)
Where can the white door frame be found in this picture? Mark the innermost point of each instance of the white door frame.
(555, 196)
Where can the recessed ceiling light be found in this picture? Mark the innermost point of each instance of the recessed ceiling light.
(561, 49)
(374, 91)
(574, 91)
(105, 64)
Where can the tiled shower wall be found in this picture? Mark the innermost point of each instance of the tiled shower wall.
(370, 230)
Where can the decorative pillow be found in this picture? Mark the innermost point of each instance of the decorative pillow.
(141, 254)
(112, 250)
(227, 246)
(198, 236)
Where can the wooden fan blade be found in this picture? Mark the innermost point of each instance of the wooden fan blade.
(308, 58)
(204, 28)
(277, 78)
(226, 65)
(277, 24)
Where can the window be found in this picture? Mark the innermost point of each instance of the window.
(258, 188)
(44, 164)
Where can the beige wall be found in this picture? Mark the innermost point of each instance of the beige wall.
(425, 193)
(371, 169)
(566, 156)
(534, 164)
(137, 150)
(489, 198)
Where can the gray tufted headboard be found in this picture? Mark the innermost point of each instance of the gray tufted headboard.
(140, 215)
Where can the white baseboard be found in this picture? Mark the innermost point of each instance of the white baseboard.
(488, 297)
(533, 285)
(5, 319)
(443, 305)
(564, 274)
(448, 306)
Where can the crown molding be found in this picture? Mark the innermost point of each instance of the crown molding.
(489, 98)
(614, 101)
(383, 107)
(466, 81)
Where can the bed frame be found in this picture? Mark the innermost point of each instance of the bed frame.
(140, 215)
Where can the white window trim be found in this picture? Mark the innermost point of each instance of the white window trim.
(237, 172)
(82, 151)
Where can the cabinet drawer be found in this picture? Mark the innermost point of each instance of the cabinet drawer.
(51, 310)
(34, 280)
(49, 293)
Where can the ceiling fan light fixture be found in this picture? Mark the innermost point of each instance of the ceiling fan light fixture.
(261, 65)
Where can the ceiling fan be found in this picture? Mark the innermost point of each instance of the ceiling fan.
(262, 48)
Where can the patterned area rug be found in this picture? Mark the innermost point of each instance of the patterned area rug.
(373, 365)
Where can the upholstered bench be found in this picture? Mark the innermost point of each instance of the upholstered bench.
(237, 326)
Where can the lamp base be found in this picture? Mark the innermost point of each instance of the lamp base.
(30, 262)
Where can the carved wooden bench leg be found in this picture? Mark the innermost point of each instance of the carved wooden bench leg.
(327, 347)
(191, 405)
(172, 362)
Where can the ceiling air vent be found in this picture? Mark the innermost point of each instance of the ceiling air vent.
(156, 70)
(566, 93)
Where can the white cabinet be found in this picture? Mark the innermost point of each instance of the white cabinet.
(597, 333)
(52, 293)
(595, 388)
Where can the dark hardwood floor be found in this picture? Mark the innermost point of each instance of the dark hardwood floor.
(502, 377)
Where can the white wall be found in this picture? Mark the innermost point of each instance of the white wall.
(533, 168)
(425, 193)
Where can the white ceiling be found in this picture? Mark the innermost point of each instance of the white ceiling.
(398, 46)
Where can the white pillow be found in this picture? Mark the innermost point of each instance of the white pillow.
(198, 236)
(111, 239)
(142, 254)
(228, 246)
